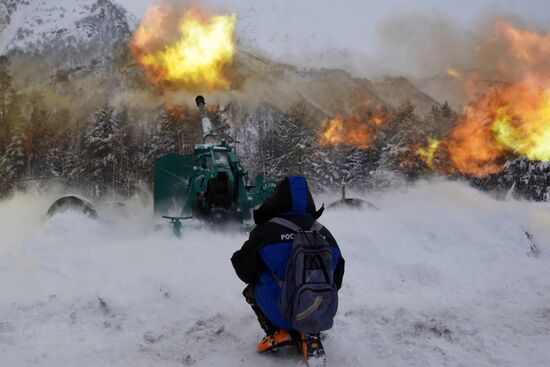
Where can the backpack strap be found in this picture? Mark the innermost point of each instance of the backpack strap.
(316, 227)
(286, 223)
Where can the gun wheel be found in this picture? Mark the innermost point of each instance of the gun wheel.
(73, 203)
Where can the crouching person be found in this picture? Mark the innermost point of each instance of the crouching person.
(293, 268)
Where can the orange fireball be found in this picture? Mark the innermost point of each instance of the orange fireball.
(515, 120)
(472, 147)
(190, 50)
(353, 131)
(350, 132)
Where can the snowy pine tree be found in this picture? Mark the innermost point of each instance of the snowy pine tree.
(297, 139)
(6, 93)
(358, 167)
(13, 164)
(268, 145)
(324, 169)
(165, 138)
(222, 124)
(404, 130)
(527, 179)
(125, 151)
(99, 155)
(38, 137)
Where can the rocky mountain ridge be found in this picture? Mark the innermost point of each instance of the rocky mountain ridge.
(81, 47)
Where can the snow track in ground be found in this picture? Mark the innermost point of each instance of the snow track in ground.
(440, 276)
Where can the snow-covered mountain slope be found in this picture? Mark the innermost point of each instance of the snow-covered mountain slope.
(68, 48)
(446, 88)
(399, 90)
(332, 91)
(82, 48)
(442, 275)
(79, 30)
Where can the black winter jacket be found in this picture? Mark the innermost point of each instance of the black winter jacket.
(288, 201)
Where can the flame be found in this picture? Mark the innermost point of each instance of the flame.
(188, 51)
(515, 119)
(472, 147)
(454, 73)
(350, 132)
(353, 131)
(427, 154)
(527, 46)
(524, 126)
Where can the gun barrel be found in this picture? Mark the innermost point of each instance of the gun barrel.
(201, 103)
(207, 131)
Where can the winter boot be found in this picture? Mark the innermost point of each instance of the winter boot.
(313, 350)
(273, 342)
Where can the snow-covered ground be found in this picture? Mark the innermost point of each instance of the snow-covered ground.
(442, 275)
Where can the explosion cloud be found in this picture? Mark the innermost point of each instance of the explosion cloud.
(353, 131)
(510, 120)
(185, 49)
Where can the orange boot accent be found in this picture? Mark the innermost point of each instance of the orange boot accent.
(271, 342)
(304, 345)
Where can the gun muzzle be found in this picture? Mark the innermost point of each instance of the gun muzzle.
(200, 101)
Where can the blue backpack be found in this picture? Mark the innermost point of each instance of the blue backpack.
(309, 297)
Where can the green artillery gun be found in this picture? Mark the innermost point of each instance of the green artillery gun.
(209, 184)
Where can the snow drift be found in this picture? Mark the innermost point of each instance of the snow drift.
(442, 275)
